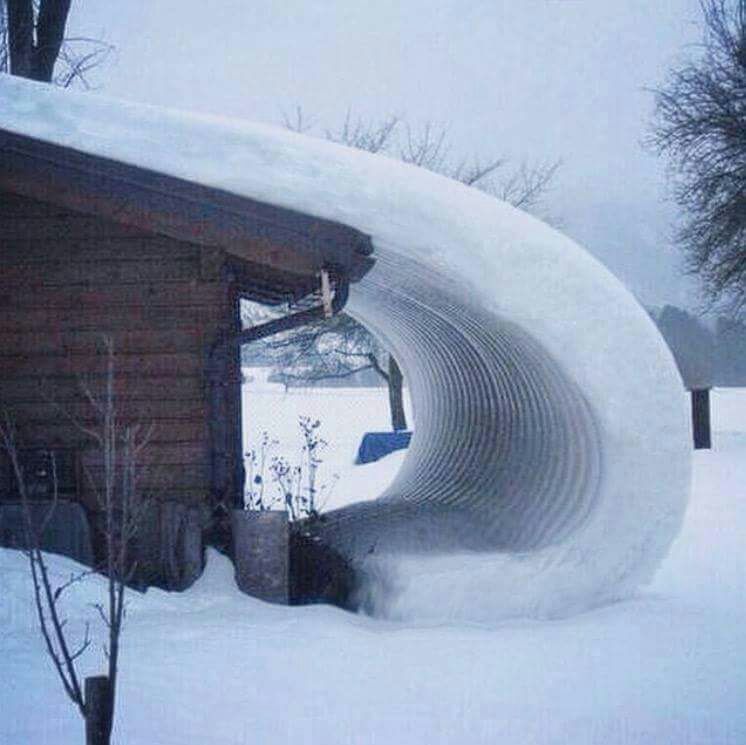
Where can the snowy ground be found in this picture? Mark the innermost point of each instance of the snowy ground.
(212, 666)
(346, 414)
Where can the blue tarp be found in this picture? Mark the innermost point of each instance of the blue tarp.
(377, 444)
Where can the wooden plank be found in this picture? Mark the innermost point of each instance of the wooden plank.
(148, 294)
(86, 249)
(111, 320)
(158, 454)
(141, 411)
(67, 388)
(66, 226)
(192, 496)
(57, 273)
(14, 343)
(163, 478)
(147, 364)
(59, 432)
(17, 205)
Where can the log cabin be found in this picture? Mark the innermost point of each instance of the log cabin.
(95, 248)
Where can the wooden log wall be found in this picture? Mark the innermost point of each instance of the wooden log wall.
(66, 279)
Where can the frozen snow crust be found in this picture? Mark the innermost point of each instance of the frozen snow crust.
(550, 465)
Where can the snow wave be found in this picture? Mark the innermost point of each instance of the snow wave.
(505, 455)
(523, 493)
(551, 462)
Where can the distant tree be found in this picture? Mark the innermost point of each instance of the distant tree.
(700, 125)
(342, 348)
(428, 146)
(33, 43)
(730, 335)
(692, 344)
(338, 349)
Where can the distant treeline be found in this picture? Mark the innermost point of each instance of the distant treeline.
(707, 355)
(712, 354)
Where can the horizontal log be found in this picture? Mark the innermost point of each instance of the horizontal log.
(71, 225)
(63, 389)
(16, 205)
(111, 319)
(187, 364)
(191, 496)
(85, 273)
(146, 412)
(56, 342)
(65, 434)
(107, 249)
(161, 478)
(156, 454)
(161, 295)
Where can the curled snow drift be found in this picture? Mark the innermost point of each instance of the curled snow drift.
(549, 469)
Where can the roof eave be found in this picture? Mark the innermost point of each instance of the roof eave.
(292, 243)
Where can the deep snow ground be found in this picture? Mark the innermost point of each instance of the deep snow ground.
(345, 415)
(212, 666)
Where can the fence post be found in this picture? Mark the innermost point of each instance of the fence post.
(98, 710)
(701, 418)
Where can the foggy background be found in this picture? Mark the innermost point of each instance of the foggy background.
(537, 80)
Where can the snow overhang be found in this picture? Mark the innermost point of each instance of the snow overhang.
(550, 462)
(286, 247)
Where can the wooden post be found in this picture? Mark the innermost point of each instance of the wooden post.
(396, 396)
(98, 710)
(701, 419)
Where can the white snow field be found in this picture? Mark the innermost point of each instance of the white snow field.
(665, 667)
(346, 414)
(552, 435)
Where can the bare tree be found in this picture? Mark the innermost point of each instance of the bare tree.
(33, 43)
(336, 349)
(121, 447)
(428, 146)
(341, 348)
(700, 125)
(62, 651)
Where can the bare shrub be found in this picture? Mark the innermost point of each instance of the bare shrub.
(121, 447)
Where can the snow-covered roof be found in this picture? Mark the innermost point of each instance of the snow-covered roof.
(50, 153)
(549, 468)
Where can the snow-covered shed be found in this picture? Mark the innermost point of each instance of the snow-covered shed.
(93, 246)
(550, 462)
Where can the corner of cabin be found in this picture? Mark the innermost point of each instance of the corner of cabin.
(68, 280)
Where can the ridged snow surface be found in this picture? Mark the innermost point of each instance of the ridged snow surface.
(550, 465)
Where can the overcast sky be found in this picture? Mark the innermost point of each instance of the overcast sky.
(530, 79)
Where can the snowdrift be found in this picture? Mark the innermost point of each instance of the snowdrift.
(550, 465)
